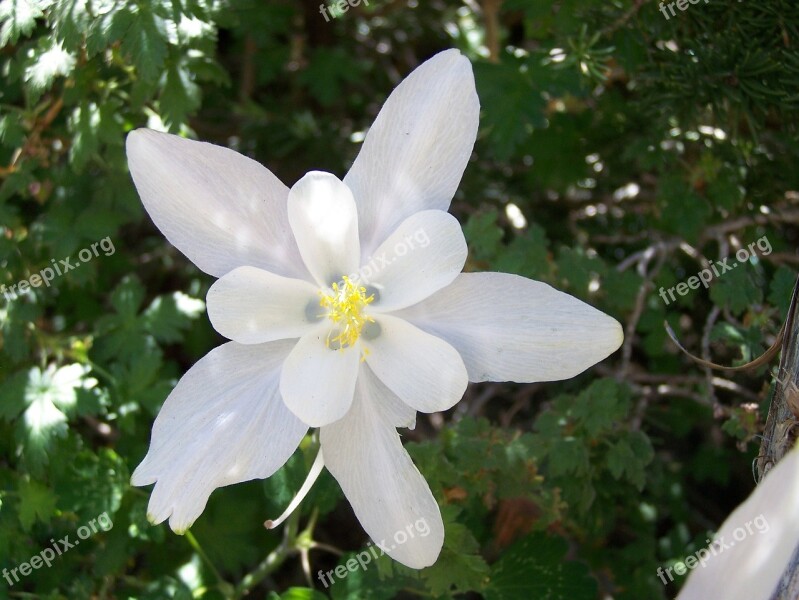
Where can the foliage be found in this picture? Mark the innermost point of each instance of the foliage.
(639, 150)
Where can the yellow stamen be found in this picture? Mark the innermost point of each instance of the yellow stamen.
(345, 306)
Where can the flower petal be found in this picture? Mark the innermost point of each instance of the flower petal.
(388, 494)
(252, 306)
(324, 220)
(424, 371)
(396, 412)
(219, 208)
(318, 382)
(508, 328)
(415, 152)
(223, 423)
(755, 543)
(424, 254)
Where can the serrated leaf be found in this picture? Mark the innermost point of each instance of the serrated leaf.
(71, 20)
(534, 567)
(527, 255)
(18, 17)
(568, 456)
(127, 297)
(328, 71)
(48, 395)
(180, 96)
(601, 405)
(51, 62)
(781, 289)
(36, 503)
(460, 566)
(511, 102)
(735, 289)
(483, 235)
(145, 39)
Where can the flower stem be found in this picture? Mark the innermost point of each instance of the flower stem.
(275, 558)
(199, 550)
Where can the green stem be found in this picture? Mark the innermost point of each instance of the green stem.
(273, 561)
(199, 550)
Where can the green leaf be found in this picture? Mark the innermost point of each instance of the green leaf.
(18, 17)
(92, 484)
(735, 289)
(296, 593)
(527, 255)
(84, 124)
(511, 103)
(601, 405)
(49, 62)
(127, 298)
(180, 96)
(329, 70)
(483, 235)
(682, 211)
(144, 40)
(535, 567)
(578, 270)
(71, 20)
(781, 289)
(48, 395)
(36, 503)
(629, 457)
(168, 316)
(568, 456)
(724, 190)
(460, 566)
(12, 395)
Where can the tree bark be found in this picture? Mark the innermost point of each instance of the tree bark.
(781, 430)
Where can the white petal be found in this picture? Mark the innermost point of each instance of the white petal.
(223, 423)
(424, 371)
(252, 306)
(324, 220)
(424, 254)
(317, 382)
(415, 152)
(760, 537)
(508, 328)
(388, 494)
(219, 208)
(396, 412)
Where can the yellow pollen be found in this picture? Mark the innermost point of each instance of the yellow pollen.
(345, 306)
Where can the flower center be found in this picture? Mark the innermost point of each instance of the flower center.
(345, 307)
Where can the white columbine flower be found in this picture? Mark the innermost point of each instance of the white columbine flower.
(347, 310)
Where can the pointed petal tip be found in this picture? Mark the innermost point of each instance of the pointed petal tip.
(139, 137)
